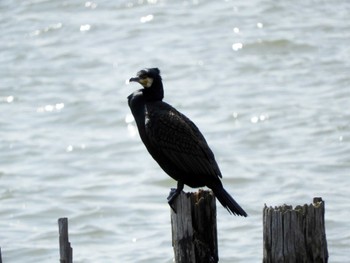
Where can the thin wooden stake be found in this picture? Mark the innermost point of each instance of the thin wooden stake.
(194, 229)
(295, 235)
(66, 252)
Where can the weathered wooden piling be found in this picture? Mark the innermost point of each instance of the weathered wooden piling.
(0, 256)
(295, 235)
(194, 232)
(66, 251)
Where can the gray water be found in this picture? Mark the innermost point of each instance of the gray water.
(267, 82)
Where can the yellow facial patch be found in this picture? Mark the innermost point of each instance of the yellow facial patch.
(146, 82)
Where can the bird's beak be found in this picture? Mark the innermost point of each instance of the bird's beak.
(136, 79)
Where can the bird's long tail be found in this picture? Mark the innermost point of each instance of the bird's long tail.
(228, 202)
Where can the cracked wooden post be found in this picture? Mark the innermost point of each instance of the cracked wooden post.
(66, 252)
(194, 233)
(295, 235)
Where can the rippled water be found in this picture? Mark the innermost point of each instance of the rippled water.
(267, 82)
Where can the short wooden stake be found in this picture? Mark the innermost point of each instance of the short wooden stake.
(194, 232)
(66, 252)
(295, 235)
(0, 256)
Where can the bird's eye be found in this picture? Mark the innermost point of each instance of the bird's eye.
(143, 76)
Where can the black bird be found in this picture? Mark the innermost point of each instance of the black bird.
(175, 142)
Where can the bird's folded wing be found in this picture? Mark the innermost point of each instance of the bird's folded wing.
(180, 141)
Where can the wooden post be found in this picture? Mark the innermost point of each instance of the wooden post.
(295, 235)
(194, 233)
(66, 252)
(0, 256)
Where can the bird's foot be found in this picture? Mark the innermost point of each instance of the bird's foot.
(174, 192)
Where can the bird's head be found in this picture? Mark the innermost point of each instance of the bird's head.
(151, 80)
(146, 77)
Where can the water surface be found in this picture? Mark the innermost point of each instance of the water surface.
(267, 83)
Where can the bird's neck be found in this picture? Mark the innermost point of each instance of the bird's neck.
(155, 92)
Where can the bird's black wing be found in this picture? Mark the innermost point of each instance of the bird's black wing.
(179, 141)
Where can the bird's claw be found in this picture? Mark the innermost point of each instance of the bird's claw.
(171, 198)
(172, 194)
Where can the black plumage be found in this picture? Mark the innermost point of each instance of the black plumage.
(174, 141)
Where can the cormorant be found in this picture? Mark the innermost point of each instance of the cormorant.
(175, 142)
